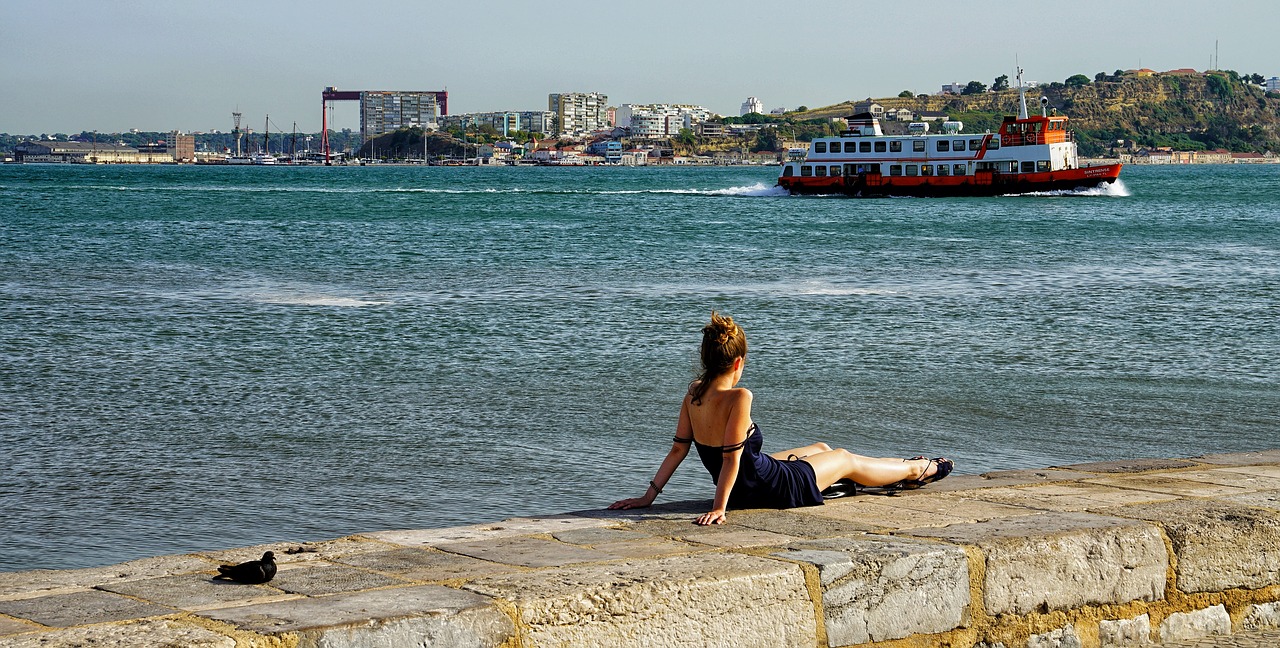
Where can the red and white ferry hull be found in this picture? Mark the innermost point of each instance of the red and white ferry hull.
(979, 184)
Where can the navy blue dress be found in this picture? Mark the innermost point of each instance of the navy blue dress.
(764, 482)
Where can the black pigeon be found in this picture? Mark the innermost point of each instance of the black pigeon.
(254, 571)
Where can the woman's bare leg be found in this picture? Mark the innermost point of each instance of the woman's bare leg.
(801, 453)
(832, 466)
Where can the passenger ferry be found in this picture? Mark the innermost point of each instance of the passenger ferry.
(1029, 154)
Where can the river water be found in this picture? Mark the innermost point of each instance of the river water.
(201, 357)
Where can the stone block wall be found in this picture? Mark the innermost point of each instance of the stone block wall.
(1097, 556)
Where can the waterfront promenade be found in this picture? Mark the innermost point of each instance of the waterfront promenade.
(1173, 552)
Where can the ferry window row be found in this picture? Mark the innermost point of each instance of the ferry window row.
(895, 146)
(912, 170)
(1012, 166)
(808, 170)
(959, 145)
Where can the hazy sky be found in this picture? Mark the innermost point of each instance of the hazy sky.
(112, 65)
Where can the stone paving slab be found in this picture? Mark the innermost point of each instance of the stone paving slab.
(599, 535)
(968, 507)
(1243, 477)
(801, 522)
(419, 615)
(920, 512)
(526, 551)
(41, 582)
(648, 548)
(149, 634)
(1060, 561)
(506, 528)
(1079, 496)
(425, 564)
(195, 592)
(1209, 539)
(1261, 499)
(300, 552)
(1169, 483)
(14, 626)
(886, 515)
(699, 600)
(730, 537)
(320, 579)
(1131, 465)
(81, 608)
(880, 588)
(1243, 458)
(719, 535)
(1266, 472)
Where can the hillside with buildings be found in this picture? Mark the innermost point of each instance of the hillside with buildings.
(1180, 110)
(1125, 114)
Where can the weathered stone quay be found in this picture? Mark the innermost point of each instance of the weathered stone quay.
(1181, 552)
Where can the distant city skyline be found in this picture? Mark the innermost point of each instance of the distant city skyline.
(71, 65)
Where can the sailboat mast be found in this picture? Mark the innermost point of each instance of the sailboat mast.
(1022, 97)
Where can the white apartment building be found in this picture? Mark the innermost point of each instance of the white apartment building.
(579, 112)
(505, 122)
(751, 105)
(385, 111)
(658, 121)
(648, 126)
(1273, 84)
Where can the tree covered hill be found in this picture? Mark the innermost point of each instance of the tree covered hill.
(1185, 111)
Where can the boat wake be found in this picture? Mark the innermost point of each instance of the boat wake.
(757, 190)
(1115, 189)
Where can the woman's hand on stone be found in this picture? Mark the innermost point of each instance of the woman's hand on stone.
(634, 502)
(714, 517)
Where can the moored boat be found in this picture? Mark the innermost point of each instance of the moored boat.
(1029, 154)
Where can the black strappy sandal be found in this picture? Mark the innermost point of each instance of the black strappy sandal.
(944, 467)
(841, 488)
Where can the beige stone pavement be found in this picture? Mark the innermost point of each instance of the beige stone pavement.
(1129, 553)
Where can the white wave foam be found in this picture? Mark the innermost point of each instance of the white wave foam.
(757, 190)
(313, 300)
(845, 292)
(1115, 189)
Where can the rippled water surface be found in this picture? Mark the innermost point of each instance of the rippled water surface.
(201, 358)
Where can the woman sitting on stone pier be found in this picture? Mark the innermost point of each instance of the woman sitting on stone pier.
(715, 417)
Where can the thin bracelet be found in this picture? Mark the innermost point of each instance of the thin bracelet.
(655, 487)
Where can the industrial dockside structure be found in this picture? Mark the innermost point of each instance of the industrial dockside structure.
(1177, 552)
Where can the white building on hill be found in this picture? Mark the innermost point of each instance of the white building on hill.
(752, 105)
(659, 121)
(579, 112)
